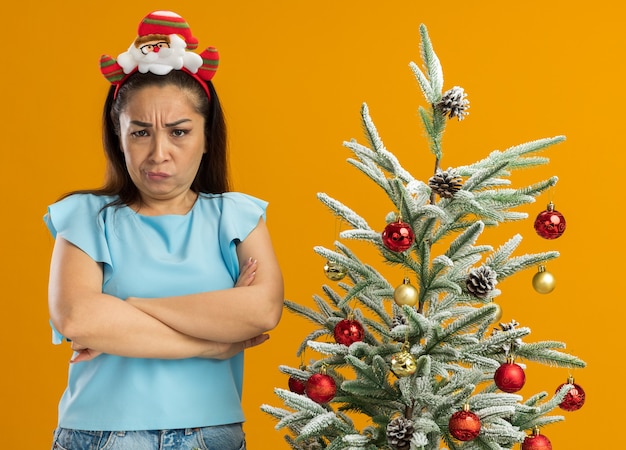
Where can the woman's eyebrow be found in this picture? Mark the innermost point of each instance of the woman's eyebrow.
(167, 125)
(141, 124)
(178, 122)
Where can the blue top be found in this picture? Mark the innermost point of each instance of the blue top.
(156, 256)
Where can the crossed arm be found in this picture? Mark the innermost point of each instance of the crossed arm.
(215, 324)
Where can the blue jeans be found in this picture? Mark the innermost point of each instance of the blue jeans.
(223, 437)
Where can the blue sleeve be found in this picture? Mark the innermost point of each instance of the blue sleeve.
(240, 215)
(79, 220)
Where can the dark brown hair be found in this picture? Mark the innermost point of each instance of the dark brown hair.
(212, 176)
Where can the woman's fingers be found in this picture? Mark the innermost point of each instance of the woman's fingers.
(247, 273)
(86, 354)
(257, 340)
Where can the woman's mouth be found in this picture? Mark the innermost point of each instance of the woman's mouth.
(157, 176)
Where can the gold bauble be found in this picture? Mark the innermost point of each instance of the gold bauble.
(543, 282)
(406, 294)
(334, 271)
(403, 364)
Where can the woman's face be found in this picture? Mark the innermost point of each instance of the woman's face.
(162, 137)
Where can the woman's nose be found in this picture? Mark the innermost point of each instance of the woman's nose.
(159, 151)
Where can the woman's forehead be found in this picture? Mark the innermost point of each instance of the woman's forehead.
(167, 97)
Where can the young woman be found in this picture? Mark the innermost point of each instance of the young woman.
(161, 278)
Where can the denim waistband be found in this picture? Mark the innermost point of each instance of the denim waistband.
(221, 437)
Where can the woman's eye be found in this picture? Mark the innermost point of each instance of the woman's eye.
(179, 133)
(139, 133)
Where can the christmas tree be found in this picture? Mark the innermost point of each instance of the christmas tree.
(426, 363)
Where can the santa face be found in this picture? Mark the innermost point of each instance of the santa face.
(159, 55)
(159, 58)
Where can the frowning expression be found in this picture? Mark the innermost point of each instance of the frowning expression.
(162, 137)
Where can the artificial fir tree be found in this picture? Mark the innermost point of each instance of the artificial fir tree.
(426, 362)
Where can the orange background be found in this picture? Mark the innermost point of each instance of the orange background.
(292, 79)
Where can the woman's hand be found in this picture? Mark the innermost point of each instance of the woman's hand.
(83, 353)
(247, 273)
(219, 350)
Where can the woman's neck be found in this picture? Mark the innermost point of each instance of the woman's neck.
(159, 207)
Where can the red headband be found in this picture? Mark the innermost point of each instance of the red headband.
(200, 81)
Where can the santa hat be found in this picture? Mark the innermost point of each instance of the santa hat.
(167, 22)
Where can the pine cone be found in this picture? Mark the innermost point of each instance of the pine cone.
(514, 344)
(398, 320)
(481, 281)
(453, 103)
(399, 433)
(311, 444)
(446, 183)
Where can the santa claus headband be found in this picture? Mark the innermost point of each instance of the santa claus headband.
(163, 38)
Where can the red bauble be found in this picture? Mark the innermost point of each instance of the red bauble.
(536, 442)
(575, 397)
(349, 331)
(297, 386)
(509, 377)
(550, 224)
(398, 236)
(464, 425)
(321, 388)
